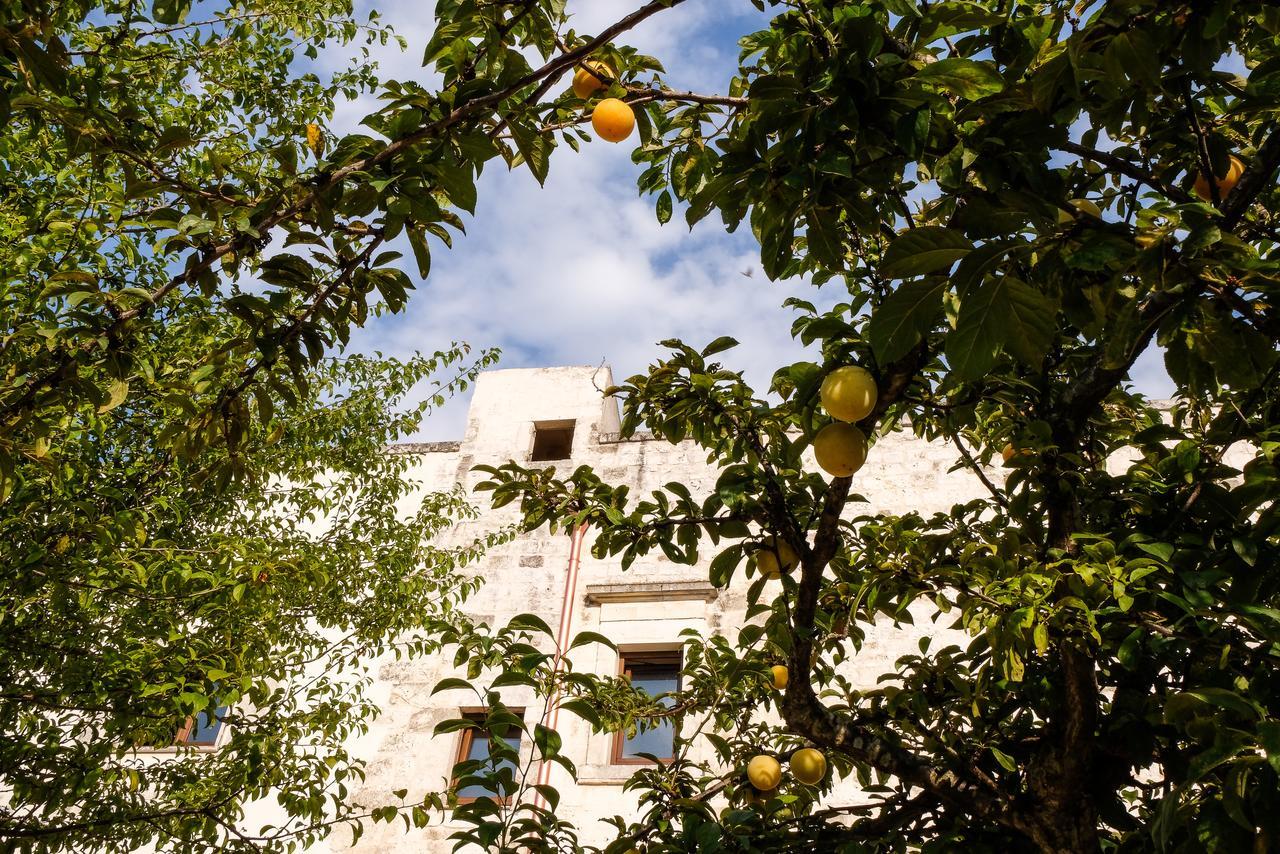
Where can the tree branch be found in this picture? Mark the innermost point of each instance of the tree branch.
(1256, 176)
(204, 258)
(1126, 168)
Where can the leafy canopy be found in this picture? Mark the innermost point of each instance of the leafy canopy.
(921, 160)
(1117, 577)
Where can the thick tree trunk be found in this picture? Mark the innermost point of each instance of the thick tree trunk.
(1065, 820)
(1071, 834)
(1059, 777)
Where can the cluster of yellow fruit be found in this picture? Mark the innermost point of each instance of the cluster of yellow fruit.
(808, 765)
(848, 394)
(612, 118)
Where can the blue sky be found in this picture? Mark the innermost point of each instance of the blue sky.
(579, 271)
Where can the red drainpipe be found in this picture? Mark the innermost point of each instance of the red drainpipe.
(562, 639)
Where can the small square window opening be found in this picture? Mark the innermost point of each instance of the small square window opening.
(552, 440)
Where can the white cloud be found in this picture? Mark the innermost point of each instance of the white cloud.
(580, 271)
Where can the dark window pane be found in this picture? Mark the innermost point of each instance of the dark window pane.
(479, 750)
(207, 725)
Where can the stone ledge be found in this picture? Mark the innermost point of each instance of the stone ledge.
(651, 591)
(424, 447)
(606, 775)
(617, 438)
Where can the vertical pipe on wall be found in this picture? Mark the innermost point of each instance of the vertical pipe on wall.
(552, 717)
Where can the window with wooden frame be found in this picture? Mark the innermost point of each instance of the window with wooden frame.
(202, 730)
(655, 672)
(476, 745)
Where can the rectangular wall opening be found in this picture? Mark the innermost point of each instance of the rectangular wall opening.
(552, 440)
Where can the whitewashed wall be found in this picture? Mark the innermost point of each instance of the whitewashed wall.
(648, 605)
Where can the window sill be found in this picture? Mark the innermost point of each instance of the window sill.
(176, 749)
(607, 775)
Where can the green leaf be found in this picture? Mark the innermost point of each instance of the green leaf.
(1214, 756)
(450, 684)
(904, 318)
(664, 207)
(1000, 313)
(823, 238)
(584, 638)
(721, 344)
(927, 249)
(453, 725)
(510, 677)
(170, 11)
(1040, 635)
(530, 622)
(1269, 738)
(723, 564)
(547, 740)
(967, 78)
(1225, 699)
(117, 391)
(733, 484)
(584, 710)
(773, 87)
(421, 251)
(458, 184)
(1006, 761)
(535, 149)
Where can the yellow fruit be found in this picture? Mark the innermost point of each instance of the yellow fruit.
(1083, 206)
(779, 672)
(808, 766)
(849, 393)
(586, 84)
(1225, 182)
(1008, 452)
(613, 119)
(764, 772)
(315, 139)
(840, 448)
(776, 558)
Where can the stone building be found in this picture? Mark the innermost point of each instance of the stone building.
(558, 416)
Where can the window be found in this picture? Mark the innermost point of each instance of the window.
(203, 729)
(655, 673)
(552, 440)
(476, 746)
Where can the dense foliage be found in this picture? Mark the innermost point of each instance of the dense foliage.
(924, 161)
(197, 510)
(1118, 580)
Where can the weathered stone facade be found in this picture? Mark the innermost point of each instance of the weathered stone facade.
(643, 608)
